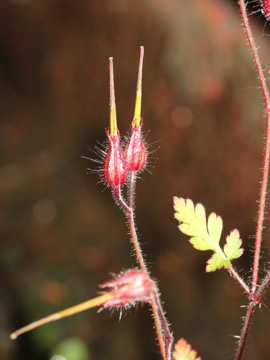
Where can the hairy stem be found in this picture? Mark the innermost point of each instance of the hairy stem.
(168, 337)
(164, 335)
(159, 330)
(132, 227)
(255, 293)
(267, 145)
(245, 330)
(118, 194)
(262, 287)
(239, 279)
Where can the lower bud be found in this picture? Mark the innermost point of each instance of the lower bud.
(131, 286)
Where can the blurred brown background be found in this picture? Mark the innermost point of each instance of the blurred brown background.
(61, 235)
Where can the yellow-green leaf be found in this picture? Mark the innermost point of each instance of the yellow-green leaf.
(232, 248)
(215, 227)
(193, 219)
(216, 262)
(204, 235)
(200, 244)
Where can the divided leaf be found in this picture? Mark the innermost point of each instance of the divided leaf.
(217, 262)
(193, 219)
(232, 248)
(183, 351)
(215, 227)
(205, 233)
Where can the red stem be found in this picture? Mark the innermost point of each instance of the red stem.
(256, 300)
(168, 337)
(161, 325)
(245, 330)
(239, 279)
(120, 199)
(256, 293)
(164, 335)
(262, 287)
(267, 145)
(132, 227)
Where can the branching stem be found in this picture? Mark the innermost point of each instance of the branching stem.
(256, 293)
(164, 335)
(118, 194)
(267, 143)
(263, 286)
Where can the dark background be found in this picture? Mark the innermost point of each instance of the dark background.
(61, 234)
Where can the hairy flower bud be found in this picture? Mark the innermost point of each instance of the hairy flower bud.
(127, 288)
(135, 151)
(266, 8)
(131, 286)
(115, 168)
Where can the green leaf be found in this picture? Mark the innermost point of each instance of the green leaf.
(232, 248)
(217, 261)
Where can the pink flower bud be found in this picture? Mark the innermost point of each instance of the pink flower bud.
(266, 8)
(132, 286)
(115, 168)
(135, 151)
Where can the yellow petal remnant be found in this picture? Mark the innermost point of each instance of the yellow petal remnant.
(64, 313)
(183, 351)
(113, 121)
(138, 102)
(129, 287)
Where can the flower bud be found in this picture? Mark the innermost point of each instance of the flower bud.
(135, 151)
(266, 9)
(115, 169)
(131, 286)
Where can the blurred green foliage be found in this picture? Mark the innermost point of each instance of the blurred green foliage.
(71, 349)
